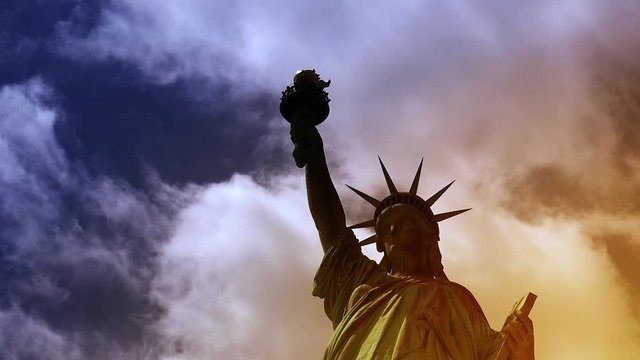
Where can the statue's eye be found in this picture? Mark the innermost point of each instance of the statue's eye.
(385, 229)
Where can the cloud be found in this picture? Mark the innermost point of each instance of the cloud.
(623, 248)
(596, 184)
(168, 41)
(117, 121)
(77, 251)
(120, 125)
(236, 276)
(21, 144)
(499, 96)
(30, 338)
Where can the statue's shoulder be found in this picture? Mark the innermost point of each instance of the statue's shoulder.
(456, 286)
(465, 295)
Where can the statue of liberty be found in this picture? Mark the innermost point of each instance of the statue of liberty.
(405, 307)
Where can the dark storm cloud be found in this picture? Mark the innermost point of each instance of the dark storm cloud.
(88, 148)
(608, 183)
(27, 29)
(624, 251)
(604, 187)
(553, 191)
(119, 123)
(31, 339)
(617, 83)
(77, 251)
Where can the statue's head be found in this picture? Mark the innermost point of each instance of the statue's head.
(405, 225)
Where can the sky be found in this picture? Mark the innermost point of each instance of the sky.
(150, 207)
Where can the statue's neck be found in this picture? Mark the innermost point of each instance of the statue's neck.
(413, 266)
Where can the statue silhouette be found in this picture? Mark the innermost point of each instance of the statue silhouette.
(405, 307)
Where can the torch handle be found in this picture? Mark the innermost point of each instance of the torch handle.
(301, 117)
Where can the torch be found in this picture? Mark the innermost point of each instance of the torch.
(305, 103)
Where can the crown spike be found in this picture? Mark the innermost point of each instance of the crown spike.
(430, 201)
(369, 199)
(364, 224)
(444, 216)
(416, 180)
(370, 240)
(390, 184)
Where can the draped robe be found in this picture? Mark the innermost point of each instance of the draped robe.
(379, 316)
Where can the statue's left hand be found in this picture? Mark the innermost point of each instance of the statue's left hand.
(518, 332)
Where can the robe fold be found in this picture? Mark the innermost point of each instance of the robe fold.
(379, 316)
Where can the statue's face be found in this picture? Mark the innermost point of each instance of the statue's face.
(403, 230)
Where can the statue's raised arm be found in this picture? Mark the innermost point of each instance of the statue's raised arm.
(305, 104)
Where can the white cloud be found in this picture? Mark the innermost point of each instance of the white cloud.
(28, 150)
(236, 276)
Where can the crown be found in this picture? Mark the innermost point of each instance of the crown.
(405, 198)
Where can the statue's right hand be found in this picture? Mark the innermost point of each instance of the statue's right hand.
(307, 143)
(519, 339)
